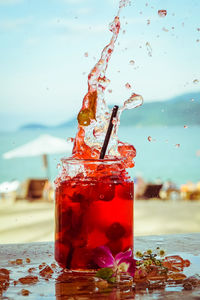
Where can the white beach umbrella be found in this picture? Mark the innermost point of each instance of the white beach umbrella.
(43, 145)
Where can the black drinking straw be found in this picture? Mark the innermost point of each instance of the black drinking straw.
(108, 133)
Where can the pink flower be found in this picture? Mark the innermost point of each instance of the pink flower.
(122, 262)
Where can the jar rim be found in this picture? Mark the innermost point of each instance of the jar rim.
(112, 159)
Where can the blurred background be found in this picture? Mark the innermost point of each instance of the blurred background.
(47, 50)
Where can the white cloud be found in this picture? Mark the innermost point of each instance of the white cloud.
(84, 11)
(74, 1)
(9, 2)
(74, 26)
(9, 24)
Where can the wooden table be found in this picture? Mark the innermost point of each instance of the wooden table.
(61, 286)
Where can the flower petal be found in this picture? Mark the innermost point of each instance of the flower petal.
(131, 262)
(123, 255)
(103, 257)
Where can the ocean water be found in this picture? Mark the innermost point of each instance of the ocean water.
(159, 158)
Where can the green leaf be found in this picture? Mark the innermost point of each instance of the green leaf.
(112, 279)
(105, 273)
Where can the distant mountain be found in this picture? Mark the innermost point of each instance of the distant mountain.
(70, 123)
(34, 126)
(180, 110)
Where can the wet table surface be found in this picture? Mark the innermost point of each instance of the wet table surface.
(30, 259)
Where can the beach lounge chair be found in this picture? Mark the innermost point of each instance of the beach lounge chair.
(32, 189)
(152, 191)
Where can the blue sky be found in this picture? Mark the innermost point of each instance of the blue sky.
(43, 70)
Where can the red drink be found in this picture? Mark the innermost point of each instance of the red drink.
(93, 208)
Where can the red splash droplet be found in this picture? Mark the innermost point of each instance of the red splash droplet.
(131, 62)
(162, 13)
(86, 54)
(177, 145)
(127, 85)
(150, 139)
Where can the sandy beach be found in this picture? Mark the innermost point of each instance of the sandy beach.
(25, 221)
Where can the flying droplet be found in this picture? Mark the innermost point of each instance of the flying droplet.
(124, 3)
(110, 91)
(162, 13)
(165, 29)
(150, 139)
(70, 140)
(195, 81)
(149, 49)
(146, 4)
(133, 102)
(148, 22)
(185, 126)
(86, 54)
(131, 62)
(197, 40)
(198, 29)
(114, 121)
(192, 99)
(127, 85)
(84, 73)
(124, 31)
(58, 166)
(177, 145)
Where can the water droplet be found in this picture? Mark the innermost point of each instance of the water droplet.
(173, 27)
(177, 145)
(165, 29)
(162, 13)
(110, 91)
(70, 140)
(146, 4)
(86, 54)
(149, 49)
(140, 12)
(127, 85)
(84, 73)
(58, 166)
(197, 40)
(195, 81)
(133, 102)
(101, 196)
(124, 31)
(124, 3)
(148, 22)
(182, 24)
(131, 62)
(185, 126)
(192, 99)
(114, 121)
(150, 139)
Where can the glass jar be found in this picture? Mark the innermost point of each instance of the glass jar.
(94, 208)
